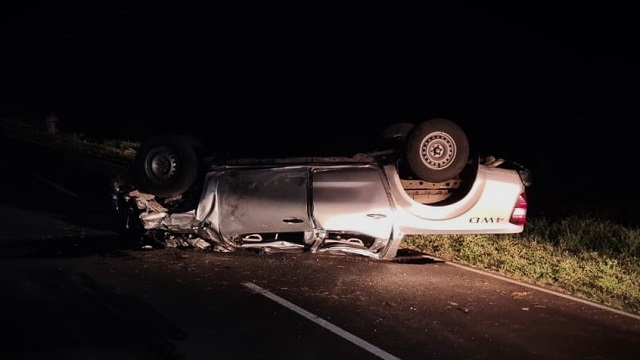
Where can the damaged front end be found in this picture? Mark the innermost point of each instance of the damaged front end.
(154, 222)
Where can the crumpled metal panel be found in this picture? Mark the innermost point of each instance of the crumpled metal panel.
(263, 201)
(180, 222)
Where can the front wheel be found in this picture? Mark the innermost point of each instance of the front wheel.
(437, 150)
(165, 165)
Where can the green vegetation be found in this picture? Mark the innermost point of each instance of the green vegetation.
(598, 260)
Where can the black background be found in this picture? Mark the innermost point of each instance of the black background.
(551, 86)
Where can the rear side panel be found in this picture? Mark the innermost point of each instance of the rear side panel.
(485, 209)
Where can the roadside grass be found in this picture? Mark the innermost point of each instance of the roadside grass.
(115, 150)
(581, 255)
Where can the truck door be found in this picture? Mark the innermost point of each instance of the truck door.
(263, 201)
(352, 200)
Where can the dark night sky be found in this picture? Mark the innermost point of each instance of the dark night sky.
(552, 87)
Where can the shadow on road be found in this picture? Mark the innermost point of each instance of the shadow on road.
(414, 257)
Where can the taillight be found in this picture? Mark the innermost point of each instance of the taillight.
(519, 213)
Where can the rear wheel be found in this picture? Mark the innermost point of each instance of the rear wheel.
(165, 165)
(437, 150)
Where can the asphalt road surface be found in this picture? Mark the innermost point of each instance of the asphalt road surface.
(73, 289)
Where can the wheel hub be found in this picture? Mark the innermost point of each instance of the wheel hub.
(438, 150)
(162, 165)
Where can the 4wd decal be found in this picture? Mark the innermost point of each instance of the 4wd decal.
(486, 220)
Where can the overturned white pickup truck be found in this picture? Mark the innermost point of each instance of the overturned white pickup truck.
(362, 204)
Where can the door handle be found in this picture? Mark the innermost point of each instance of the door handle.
(292, 221)
(377, 216)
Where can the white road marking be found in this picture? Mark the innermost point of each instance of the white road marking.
(318, 320)
(538, 288)
(59, 187)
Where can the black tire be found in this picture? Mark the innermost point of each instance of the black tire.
(165, 166)
(437, 150)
